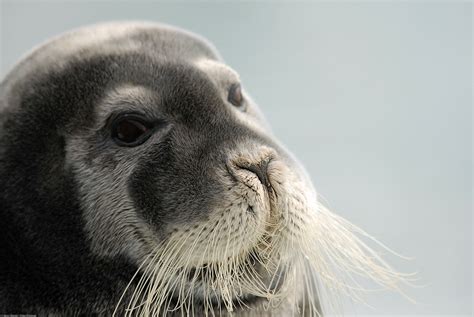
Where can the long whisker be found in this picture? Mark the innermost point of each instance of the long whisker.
(301, 255)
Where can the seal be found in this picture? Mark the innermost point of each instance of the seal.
(139, 178)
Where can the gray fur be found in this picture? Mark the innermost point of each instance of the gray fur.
(80, 213)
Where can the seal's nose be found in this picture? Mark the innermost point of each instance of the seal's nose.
(260, 169)
(253, 166)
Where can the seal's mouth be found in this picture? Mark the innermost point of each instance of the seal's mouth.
(241, 303)
(197, 273)
(205, 278)
(209, 272)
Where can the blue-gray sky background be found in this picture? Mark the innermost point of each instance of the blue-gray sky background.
(374, 99)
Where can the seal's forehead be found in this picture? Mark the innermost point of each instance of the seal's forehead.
(152, 38)
(158, 41)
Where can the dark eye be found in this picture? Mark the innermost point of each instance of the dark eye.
(235, 95)
(130, 130)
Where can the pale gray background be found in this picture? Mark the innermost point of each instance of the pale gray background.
(375, 100)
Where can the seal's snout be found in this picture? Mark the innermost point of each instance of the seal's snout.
(260, 169)
(253, 168)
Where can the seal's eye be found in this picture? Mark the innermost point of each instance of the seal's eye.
(130, 130)
(235, 95)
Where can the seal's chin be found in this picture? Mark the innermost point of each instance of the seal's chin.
(205, 281)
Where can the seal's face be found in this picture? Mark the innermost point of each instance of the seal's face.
(176, 171)
(178, 162)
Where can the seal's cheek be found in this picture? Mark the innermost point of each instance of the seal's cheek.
(168, 193)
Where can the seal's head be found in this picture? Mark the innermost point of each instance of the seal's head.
(133, 148)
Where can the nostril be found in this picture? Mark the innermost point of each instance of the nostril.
(260, 169)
